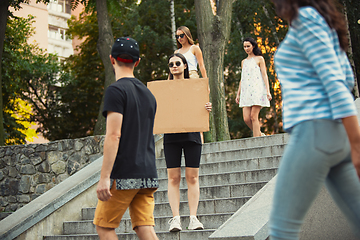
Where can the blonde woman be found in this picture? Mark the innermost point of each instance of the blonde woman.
(191, 52)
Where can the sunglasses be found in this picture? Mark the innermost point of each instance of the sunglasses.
(177, 63)
(180, 36)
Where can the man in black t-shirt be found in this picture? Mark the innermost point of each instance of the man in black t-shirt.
(128, 174)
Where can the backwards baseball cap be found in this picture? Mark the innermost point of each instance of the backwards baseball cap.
(125, 45)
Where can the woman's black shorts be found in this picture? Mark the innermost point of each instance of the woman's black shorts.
(173, 151)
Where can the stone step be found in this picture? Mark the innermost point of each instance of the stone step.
(218, 156)
(210, 221)
(244, 143)
(230, 165)
(4, 215)
(162, 235)
(231, 172)
(227, 178)
(277, 139)
(241, 190)
(221, 205)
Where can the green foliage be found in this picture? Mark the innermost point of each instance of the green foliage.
(67, 104)
(26, 73)
(150, 24)
(64, 100)
(16, 3)
(82, 83)
(140, 21)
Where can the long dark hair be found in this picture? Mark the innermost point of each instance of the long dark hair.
(183, 59)
(288, 9)
(256, 49)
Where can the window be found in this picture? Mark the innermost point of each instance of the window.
(63, 6)
(57, 33)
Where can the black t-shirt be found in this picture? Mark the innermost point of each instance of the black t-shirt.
(136, 154)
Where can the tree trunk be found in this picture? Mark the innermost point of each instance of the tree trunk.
(273, 29)
(104, 45)
(4, 5)
(273, 103)
(173, 24)
(352, 9)
(214, 33)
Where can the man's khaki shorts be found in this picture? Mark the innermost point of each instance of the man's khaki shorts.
(141, 207)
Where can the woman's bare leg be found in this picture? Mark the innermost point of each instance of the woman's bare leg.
(255, 110)
(247, 116)
(174, 177)
(192, 180)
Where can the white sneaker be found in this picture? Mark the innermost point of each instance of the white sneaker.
(195, 224)
(175, 225)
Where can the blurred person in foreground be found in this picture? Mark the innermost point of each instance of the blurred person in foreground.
(320, 115)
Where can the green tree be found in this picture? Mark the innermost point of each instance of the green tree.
(81, 85)
(27, 73)
(140, 21)
(153, 32)
(4, 13)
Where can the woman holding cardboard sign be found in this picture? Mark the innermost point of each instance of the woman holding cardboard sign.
(174, 143)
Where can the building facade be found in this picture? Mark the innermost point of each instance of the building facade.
(51, 25)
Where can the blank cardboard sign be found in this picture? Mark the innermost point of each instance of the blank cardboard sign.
(181, 105)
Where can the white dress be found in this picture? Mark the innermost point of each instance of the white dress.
(253, 89)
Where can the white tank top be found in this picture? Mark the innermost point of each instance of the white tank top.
(191, 60)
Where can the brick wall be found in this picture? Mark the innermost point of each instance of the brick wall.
(27, 171)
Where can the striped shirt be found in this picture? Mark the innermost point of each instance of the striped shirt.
(315, 74)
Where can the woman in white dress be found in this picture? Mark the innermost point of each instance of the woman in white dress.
(254, 91)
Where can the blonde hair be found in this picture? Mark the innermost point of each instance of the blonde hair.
(187, 33)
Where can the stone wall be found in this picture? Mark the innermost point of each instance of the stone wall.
(27, 171)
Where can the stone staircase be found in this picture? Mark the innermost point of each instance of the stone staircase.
(231, 172)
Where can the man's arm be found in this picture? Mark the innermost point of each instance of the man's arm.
(111, 145)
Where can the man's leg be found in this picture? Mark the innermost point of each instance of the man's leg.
(146, 233)
(108, 214)
(141, 213)
(106, 233)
